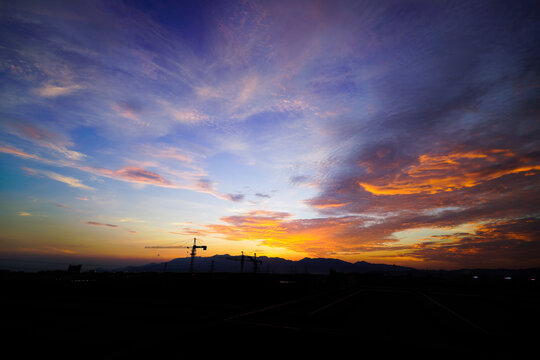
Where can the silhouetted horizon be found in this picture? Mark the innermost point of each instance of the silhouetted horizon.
(269, 264)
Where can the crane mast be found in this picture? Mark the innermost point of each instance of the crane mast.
(193, 250)
(243, 258)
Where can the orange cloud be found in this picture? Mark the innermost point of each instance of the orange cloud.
(329, 205)
(439, 173)
(512, 243)
(317, 237)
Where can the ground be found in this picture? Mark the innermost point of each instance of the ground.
(168, 315)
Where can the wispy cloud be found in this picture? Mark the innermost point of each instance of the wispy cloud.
(140, 175)
(55, 141)
(49, 90)
(130, 174)
(14, 151)
(100, 224)
(128, 109)
(133, 174)
(130, 220)
(76, 183)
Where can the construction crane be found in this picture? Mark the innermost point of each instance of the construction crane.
(193, 250)
(250, 258)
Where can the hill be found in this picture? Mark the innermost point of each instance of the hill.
(228, 263)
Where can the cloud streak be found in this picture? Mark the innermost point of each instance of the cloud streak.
(94, 223)
(72, 182)
(54, 141)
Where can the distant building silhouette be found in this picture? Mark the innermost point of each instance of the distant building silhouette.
(74, 269)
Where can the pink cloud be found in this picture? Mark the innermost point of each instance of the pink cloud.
(131, 174)
(141, 175)
(19, 153)
(51, 140)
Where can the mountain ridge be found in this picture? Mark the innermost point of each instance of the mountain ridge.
(265, 264)
(307, 265)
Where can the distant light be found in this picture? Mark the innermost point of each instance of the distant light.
(532, 279)
(475, 277)
(508, 277)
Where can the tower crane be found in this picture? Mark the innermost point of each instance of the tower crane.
(253, 259)
(193, 250)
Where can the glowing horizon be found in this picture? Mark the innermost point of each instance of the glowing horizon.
(390, 132)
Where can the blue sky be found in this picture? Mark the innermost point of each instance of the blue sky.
(398, 132)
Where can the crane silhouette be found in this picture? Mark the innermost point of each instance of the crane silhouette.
(193, 250)
(243, 258)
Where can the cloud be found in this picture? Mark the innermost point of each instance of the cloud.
(14, 151)
(130, 174)
(100, 224)
(128, 109)
(187, 158)
(500, 243)
(509, 242)
(316, 237)
(189, 116)
(234, 197)
(133, 174)
(49, 90)
(304, 180)
(448, 172)
(439, 146)
(76, 183)
(24, 213)
(131, 220)
(189, 232)
(143, 176)
(55, 141)
(184, 115)
(205, 185)
(261, 195)
(140, 175)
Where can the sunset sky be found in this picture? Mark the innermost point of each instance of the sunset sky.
(398, 132)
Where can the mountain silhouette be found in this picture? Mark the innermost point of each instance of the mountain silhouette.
(229, 263)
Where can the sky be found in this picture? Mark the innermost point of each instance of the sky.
(397, 132)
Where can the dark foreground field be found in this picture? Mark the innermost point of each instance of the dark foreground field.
(177, 315)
